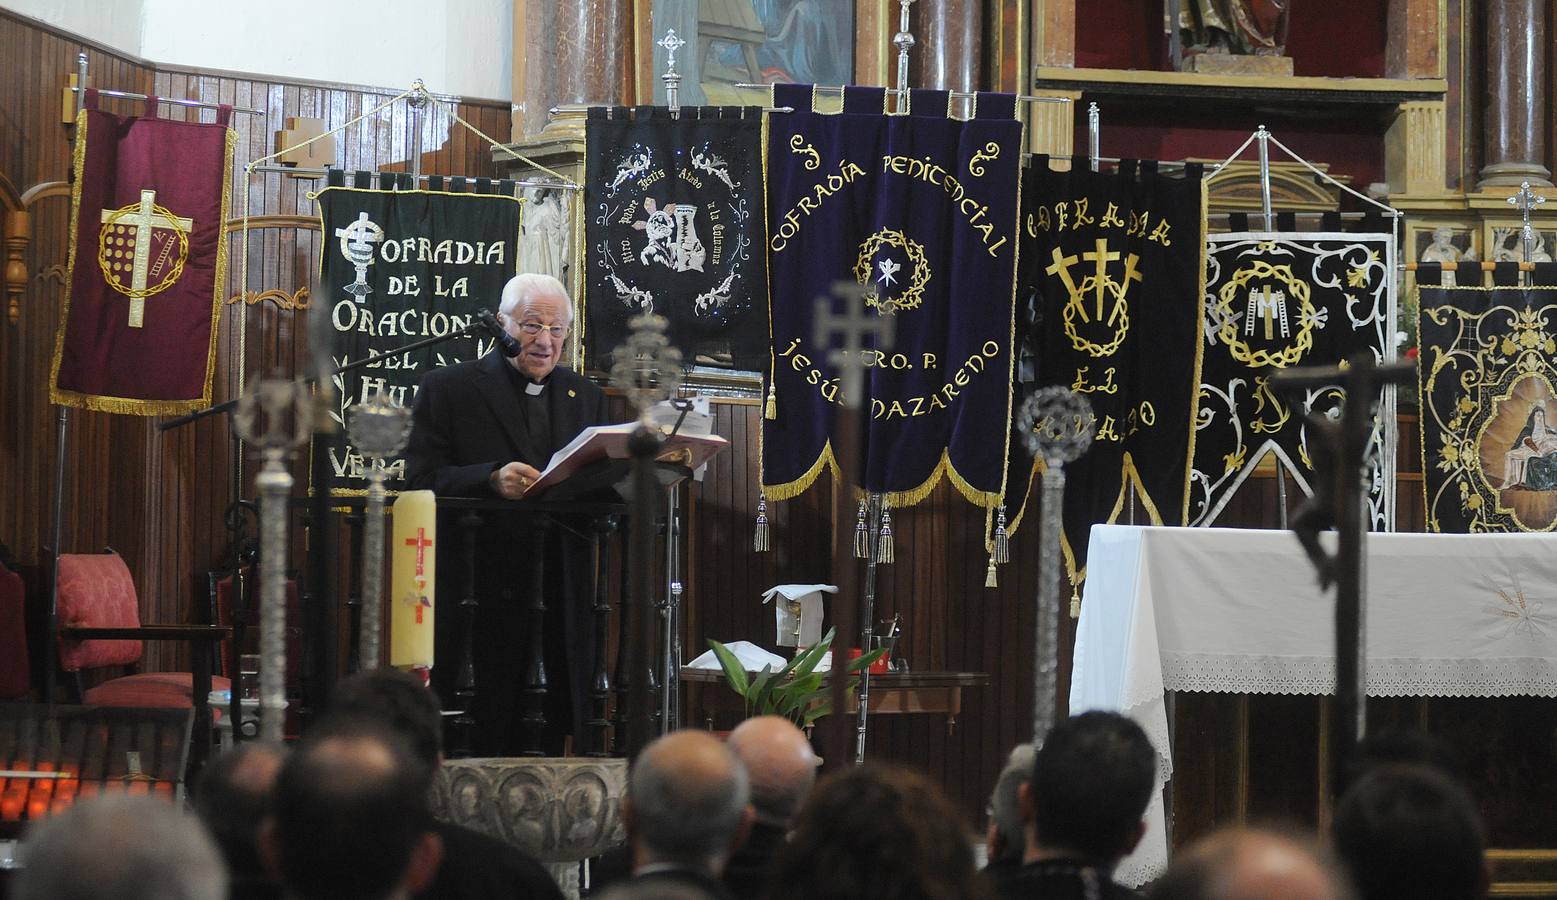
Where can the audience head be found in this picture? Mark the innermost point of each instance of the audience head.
(877, 832)
(686, 802)
(351, 819)
(1007, 833)
(1410, 831)
(120, 848)
(780, 764)
(1250, 864)
(402, 703)
(232, 797)
(1091, 782)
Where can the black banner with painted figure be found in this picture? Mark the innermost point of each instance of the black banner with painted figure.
(1273, 301)
(676, 227)
(399, 266)
(1111, 275)
(920, 209)
(1488, 391)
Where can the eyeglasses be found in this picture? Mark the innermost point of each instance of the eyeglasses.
(557, 331)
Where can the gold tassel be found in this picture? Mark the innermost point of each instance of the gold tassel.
(1002, 551)
(770, 409)
(861, 534)
(1075, 603)
(989, 574)
(760, 539)
(884, 552)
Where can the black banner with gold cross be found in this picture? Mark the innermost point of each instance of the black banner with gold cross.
(1488, 383)
(1111, 273)
(1273, 301)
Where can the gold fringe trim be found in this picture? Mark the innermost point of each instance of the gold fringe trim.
(899, 499)
(77, 166)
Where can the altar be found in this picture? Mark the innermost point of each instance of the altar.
(1240, 611)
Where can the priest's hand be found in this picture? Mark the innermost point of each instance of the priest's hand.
(510, 481)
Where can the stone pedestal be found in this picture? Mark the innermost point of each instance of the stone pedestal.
(1239, 64)
(560, 811)
(1514, 133)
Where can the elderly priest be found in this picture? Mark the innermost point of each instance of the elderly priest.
(485, 428)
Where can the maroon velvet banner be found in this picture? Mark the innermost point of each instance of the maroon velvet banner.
(148, 261)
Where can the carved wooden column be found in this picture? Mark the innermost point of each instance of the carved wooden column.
(18, 232)
(568, 51)
(949, 53)
(1515, 123)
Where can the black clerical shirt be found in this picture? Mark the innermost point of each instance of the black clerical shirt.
(535, 401)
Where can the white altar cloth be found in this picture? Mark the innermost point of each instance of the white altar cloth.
(1240, 610)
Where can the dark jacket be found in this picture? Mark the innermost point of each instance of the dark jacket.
(480, 867)
(469, 421)
(1057, 879)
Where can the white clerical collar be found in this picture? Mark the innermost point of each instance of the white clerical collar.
(534, 388)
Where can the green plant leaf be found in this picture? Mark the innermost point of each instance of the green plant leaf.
(792, 696)
(806, 662)
(734, 672)
(816, 712)
(761, 689)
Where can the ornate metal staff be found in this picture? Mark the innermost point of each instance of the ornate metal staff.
(1058, 425)
(380, 429)
(1526, 200)
(275, 416)
(672, 78)
(854, 326)
(648, 370)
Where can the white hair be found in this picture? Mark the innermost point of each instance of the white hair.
(121, 848)
(521, 287)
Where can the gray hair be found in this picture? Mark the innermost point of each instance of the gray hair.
(688, 794)
(521, 287)
(1005, 807)
(121, 848)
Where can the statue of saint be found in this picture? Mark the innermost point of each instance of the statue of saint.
(1246, 27)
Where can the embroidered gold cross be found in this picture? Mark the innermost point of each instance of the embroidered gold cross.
(144, 220)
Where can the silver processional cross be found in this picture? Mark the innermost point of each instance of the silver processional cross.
(1526, 200)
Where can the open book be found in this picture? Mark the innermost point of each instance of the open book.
(610, 441)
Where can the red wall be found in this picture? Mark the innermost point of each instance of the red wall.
(1339, 39)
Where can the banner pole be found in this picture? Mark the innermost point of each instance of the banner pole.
(61, 436)
(1263, 138)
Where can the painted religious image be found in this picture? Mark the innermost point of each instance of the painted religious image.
(757, 42)
(1489, 436)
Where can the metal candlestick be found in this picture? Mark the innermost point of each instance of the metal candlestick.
(380, 430)
(275, 416)
(1057, 424)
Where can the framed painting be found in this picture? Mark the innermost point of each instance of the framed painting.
(730, 42)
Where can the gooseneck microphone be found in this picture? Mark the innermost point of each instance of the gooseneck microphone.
(505, 341)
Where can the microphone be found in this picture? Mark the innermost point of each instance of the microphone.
(505, 341)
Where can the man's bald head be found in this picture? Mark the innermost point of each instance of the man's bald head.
(1247, 864)
(780, 764)
(687, 801)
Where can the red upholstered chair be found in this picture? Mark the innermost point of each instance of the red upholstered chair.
(100, 625)
(15, 683)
